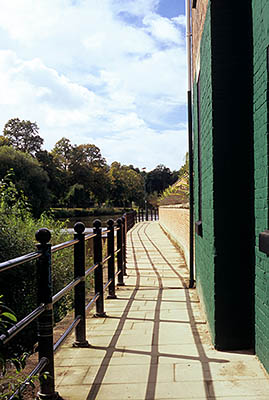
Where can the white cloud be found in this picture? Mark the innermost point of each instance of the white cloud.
(162, 29)
(82, 70)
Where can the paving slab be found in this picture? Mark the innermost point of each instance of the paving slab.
(154, 342)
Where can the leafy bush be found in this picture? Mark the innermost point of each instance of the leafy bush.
(17, 237)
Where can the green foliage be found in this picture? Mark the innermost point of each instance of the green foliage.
(28, 177)
(17, 236)
(11, 365)
(127, 185)
(159, 179)
(179, 192)
(23, 135)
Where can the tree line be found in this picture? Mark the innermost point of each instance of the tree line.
(73, 175)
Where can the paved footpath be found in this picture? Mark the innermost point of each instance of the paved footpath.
(154, 344)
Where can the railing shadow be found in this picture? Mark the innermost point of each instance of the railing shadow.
(154, 352)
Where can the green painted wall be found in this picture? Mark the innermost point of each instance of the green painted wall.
(225, 251)
(204, 246)
(261, 41)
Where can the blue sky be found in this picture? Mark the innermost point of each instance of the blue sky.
(108, 72)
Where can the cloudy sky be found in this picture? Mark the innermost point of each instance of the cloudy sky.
(107, 72)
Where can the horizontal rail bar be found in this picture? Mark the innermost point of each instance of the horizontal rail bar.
(66, 332)
(116, 229)
(89, 236)
(66, 289)
(22, 324)
(117, 273)
(42, 363)
(93, 300)
(108, 283)
(19, 260)
(105, 231)
(64, 245)
(106, 258)
(91, 269)
(117, 251)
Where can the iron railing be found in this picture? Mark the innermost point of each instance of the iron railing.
(44, 311)
(147, 214)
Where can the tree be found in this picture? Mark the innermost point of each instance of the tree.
(62, 153)
(127, 185)
(28, 176)
(58, 179)
(159, 179)
(86, 154)
(23, 135)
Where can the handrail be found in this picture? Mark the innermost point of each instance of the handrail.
(66, 289)
(63, 245)
(91, 269)
(16, 328)
(44, 312)
(106, 258)
(40, 366)
(4, 266)
(73, 325)
(90, 236)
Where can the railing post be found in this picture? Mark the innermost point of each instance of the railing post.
(147, 212)
(142, 214)
(151, 215)
(119, 254)
(124, 233)
(155, 213)
(79, 271)
(98, 272)
(111, 260)
(45, 320)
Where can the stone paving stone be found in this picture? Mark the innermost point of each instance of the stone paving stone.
(154, 344)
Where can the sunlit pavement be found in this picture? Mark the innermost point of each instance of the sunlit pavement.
(154, 343)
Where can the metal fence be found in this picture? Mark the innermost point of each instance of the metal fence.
(147, 214)
(45, 301)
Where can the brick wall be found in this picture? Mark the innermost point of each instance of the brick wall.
(175, 220)
(204, 246)
(198, 20)
(261, 41)
(224, 252)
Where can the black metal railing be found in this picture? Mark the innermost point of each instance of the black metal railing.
(147, 214)
(44, 311)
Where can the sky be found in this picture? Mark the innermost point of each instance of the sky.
(106, 72)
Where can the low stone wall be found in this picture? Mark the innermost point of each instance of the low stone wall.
(174, 219)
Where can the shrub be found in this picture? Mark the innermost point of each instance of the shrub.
(17, 237)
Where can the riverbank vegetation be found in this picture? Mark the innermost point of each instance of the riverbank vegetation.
(73, 176)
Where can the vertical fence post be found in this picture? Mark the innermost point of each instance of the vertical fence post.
(119, 253)
(45, 320)
(155, 213)
(151, 215)
(142, 214)
(98, 272)
(147, 211)
(111, 260)
(124, 229)
(79, 271)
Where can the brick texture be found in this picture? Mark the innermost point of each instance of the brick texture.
(261, 41)
(204, 249)
(175, 220)
(198, 20)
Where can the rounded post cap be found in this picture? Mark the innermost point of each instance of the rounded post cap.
(97, 223)
(110, 222)
(43, 235)
(79, 227)
(119, 221)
